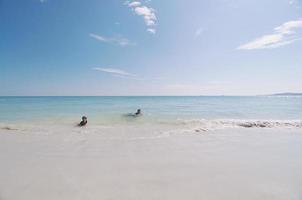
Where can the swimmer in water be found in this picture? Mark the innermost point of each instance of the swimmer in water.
(136, 114)
(84, 121)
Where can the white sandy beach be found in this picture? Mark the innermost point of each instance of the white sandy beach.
(129, 164)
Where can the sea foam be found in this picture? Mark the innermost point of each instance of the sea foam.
(215, 124)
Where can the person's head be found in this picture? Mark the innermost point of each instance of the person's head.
(84, 118)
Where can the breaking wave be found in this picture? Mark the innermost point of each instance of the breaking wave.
(205, 124)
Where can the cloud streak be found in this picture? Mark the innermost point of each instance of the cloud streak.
(134, 4)
(282, 35)
(113, 71)
(121, 41)
(118, 73)
(147, 13)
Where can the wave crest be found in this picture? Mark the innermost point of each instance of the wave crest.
(205, 124)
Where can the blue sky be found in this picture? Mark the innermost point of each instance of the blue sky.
(150, 47)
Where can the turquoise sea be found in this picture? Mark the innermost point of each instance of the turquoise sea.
(176, 109)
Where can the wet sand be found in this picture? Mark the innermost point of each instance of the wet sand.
(230, 164)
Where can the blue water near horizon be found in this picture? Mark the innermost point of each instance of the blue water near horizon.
(105, 108)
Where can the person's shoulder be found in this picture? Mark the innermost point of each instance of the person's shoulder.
(82, 123)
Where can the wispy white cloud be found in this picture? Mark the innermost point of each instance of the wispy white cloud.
(146, 12)
(151, 30)
(134, 4)
(283, 35)
(113, 71)
(98, 37)
(113, 40)
(118, 73)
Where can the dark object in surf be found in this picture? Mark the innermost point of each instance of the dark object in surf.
(138, 112)
(84, 121)
(132, 115)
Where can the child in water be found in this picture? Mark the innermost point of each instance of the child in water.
(84, 121)
(138, 112)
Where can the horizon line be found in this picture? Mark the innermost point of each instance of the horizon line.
(289, 93)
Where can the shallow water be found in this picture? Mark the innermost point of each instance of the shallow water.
(197, 112)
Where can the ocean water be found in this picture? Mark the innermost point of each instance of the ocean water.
(198, 111)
